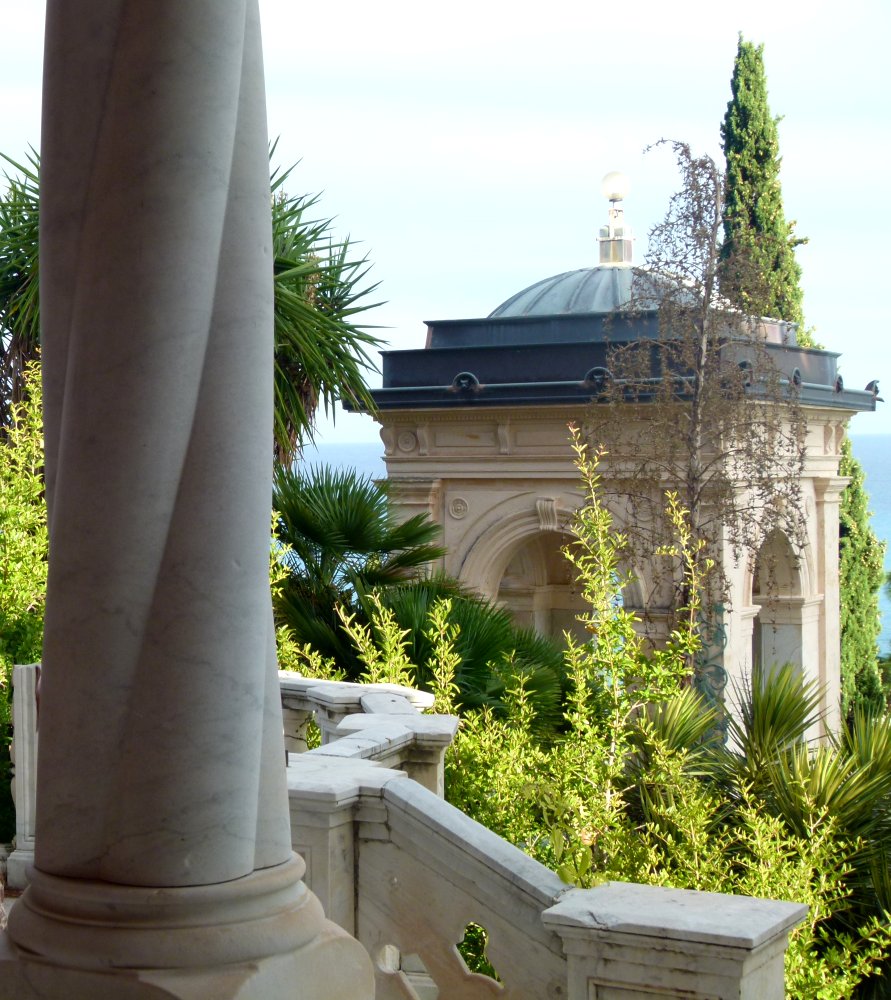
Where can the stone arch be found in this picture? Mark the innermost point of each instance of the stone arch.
(782, 626)
(777, 569)
(517, 562)
(487, 551)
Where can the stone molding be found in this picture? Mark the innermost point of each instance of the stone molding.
(708, 945)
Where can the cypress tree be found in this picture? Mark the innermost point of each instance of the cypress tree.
(755, 227)
(756, 231)
(861, 573)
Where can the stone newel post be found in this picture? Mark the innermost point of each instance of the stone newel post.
(162, 824)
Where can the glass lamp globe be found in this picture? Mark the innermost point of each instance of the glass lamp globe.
(615, 186)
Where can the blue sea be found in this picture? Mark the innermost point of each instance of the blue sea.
(872, 450)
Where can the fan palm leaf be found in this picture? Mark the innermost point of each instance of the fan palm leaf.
(492, 651)
(340, 541)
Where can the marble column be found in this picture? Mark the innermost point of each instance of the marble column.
(828, 491)
(163, 846)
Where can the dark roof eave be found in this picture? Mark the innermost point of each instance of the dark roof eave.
(562, 393)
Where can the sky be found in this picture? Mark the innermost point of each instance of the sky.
(462, 145)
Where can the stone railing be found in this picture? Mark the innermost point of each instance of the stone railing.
(417, 746)
(407, 874)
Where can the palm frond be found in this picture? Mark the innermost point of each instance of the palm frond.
(682, 723)
(19, 280)
(492, 652)
(342, 542)
(322, 354)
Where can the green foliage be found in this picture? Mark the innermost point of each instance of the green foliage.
(491, 769)
(861, 559)
(321, 353)
(19, 281)
(351, 568)
(340, 541)
(473, 949)
(23, 535)
(611, 683)
(631, 677)
(442, 633)
(676, 811)
(635, 787)
(773, 714)
(304, 660)
(489, 649)
(381, 646)
(23, 559)
(755, 225)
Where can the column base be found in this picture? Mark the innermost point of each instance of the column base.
(261, 937)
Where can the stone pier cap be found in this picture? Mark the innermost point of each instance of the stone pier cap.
(682, 915)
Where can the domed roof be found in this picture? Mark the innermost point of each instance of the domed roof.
(550, 343)
(589, 290)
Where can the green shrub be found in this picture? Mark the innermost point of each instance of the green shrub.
(23, 565)
(638, 787)
(23, 535)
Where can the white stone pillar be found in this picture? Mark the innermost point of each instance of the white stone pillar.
(642, 942)
(24, 781)
(163, 850)
(828, 495)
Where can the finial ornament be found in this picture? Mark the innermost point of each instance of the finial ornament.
(615, 237)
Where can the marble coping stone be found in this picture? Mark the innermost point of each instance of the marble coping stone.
(381, 739)
(385, 703)
(343, 695)
(427, 730)
(422, 822)
(706, 918)
(337, 782)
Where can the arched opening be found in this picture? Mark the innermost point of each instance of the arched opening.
(540, 589)
(538, 586)
(777, 634)
(517, 561)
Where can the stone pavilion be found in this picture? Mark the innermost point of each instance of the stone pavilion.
(474, 425)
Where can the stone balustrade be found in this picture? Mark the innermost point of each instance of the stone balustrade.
(406, 873)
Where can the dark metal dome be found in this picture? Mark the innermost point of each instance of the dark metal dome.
(592, 290)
